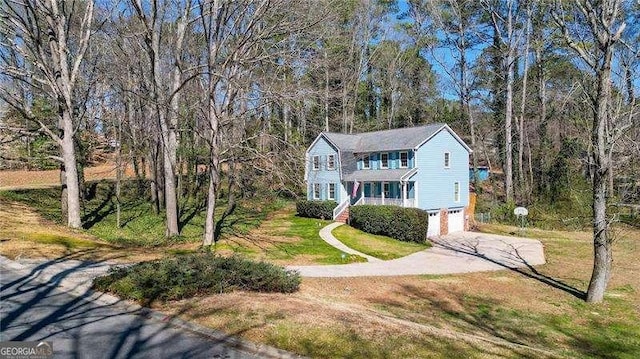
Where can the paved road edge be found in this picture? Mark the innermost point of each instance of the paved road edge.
(77, 289)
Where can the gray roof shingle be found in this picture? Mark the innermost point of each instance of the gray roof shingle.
(386, 140)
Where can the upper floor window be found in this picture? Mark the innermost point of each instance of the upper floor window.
(331, 162)
(331, 191)
(384, 160)
(404, 159)
(366, 164)
(316, 191)
(456, 191)
(447, 160)
(316, 162)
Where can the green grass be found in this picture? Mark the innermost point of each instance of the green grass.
(309, 242)
(65, 241)
(381, 247)
(140, 226)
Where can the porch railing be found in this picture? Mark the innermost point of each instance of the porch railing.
(378, 201)
(340, 208)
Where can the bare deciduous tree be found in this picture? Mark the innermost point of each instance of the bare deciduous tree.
(44, 49)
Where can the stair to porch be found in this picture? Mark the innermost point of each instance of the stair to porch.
(343, 216)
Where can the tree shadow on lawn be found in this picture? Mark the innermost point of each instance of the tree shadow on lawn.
(510, 260)
(529, 334)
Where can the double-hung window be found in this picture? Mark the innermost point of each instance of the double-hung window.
(385, 189)
(331, 162)
(331, 191)
(366, 164)
(447, 160)
(384, 160)
(404, 159)
(456, 191)
(316, 191)
(316, 163)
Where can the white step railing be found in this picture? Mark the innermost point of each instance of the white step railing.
(340, 208)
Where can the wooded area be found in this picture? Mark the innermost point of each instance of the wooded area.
(197, 95)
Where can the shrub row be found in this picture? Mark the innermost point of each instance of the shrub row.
(196, 274)
(405, 224)
(316, 209)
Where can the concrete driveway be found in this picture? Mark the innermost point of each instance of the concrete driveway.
(461, 252)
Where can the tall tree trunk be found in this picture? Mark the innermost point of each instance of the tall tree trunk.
(326, 92)
(601, 243)
(508, 116)
(71, 175)
(521, 129)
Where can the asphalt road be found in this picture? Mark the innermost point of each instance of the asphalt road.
(79, 328)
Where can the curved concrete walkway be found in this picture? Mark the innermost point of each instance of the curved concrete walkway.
(461, 252)
(325, 234)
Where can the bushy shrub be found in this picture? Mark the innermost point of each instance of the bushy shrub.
(316, 209)
(196, 274)
(405, 224)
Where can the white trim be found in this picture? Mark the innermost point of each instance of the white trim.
(368, 162)
(451, 132)
(313, 163)
(384, 183)
(400, 159)
(411, 172)
(456, 200)
(313, 191)
(332, 168)
(329, 191)
(447, 160)
(381, 166)
(306, 168)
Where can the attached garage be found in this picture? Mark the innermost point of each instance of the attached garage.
(434, 224)
(456, 220)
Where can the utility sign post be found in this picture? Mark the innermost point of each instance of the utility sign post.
(521, 212)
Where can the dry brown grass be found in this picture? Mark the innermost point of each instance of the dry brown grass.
(41, 179)
(492, 314)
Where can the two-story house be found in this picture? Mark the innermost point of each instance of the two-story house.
(425, 167)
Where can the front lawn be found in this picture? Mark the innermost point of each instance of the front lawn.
(381, 247)
(304, 244)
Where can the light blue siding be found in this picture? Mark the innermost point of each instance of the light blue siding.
(434, 182)
(323, 176)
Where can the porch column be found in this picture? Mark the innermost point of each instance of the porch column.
(382, 192)
(404, 194)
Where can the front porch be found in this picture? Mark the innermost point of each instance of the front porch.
(380, 193)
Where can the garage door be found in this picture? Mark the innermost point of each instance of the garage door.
(434, 224)
(456, 220)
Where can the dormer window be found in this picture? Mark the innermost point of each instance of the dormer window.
(366, 164)
(316, 163)
(384, 160)
(331, 162)
(447, 160)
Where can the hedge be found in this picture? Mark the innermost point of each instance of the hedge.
(405, 224)
(316, 209)
(195, 274)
